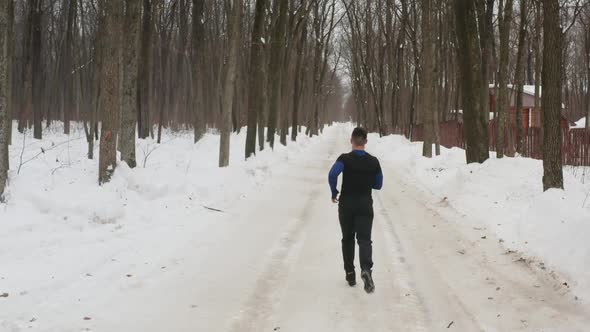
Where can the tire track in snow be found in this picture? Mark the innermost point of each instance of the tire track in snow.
(270, 284)
(438, 292)
(411, 307)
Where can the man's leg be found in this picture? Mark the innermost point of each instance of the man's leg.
(347, 225)
(363, 223)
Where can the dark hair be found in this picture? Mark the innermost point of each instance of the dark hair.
(359, 136)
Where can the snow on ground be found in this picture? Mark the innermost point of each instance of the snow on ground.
(144, 253)
(59, 226)
(506, 196)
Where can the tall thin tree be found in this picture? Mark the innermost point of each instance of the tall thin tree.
(130, 73)
(276, 65)
(427, 79)
(234, 22)
(255, 100)
(471, 81)
(519, 74)
(144, 114)
(197, 48)
(5, 91)
(503, 123)
(109, 103)
(551, 97)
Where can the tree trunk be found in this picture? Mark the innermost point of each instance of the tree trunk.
(299, 79)
(130, 96)
(263, 111)
(399, 72)
(551, 98)
(68, 77)
(229, 81)
(519, 75)
(503, 123)
(109, 104)
(5, 91)
(198, 46)
(10, 102)
(144, 86)
(486, 25)
(36, 69)
(98, 55)
(538, 63)
(475, 112)
(427, 79)
(255, 100)
(276, 69)
(587, 113)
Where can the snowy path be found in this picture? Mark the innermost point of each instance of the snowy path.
(272, 262)
(428, 272)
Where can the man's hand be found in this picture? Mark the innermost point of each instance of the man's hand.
(334, 200)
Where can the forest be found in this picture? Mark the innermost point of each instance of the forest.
(213, 165)
(125, 69)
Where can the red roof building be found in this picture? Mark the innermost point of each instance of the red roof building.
(530, 118)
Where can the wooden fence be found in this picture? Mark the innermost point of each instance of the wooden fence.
(575, 145)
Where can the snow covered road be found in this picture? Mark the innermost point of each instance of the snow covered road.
(430, 275)
(271, 261)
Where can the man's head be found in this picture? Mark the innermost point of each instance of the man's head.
(358, 139)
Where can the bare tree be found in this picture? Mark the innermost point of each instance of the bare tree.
(551, 98)
(299, 77)
(130, 73)
(427, 79)
(503, 122)
(256, 102)
(276, 65)
(234, 22)
(5, 90)
(519, 74)
(538, 56)
(109, 103)
(145, 86)
(469, 58)
(67, 66)
(198, 47)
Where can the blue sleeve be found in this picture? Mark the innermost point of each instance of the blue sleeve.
(378, 178)
(378, 181)
(333, 177)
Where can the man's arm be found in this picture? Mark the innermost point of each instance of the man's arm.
(335, 171)
(378, 178)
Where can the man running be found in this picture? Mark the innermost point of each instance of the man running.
(362, 174)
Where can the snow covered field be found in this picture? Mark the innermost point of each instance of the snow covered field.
(146, 252)
(62, 233)
(506, 197)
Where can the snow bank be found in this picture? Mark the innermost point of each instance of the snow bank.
(507, 196)
(59, 228)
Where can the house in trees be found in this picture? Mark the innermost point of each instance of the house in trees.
(530, 118)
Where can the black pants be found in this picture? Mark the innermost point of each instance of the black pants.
(356, 217)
